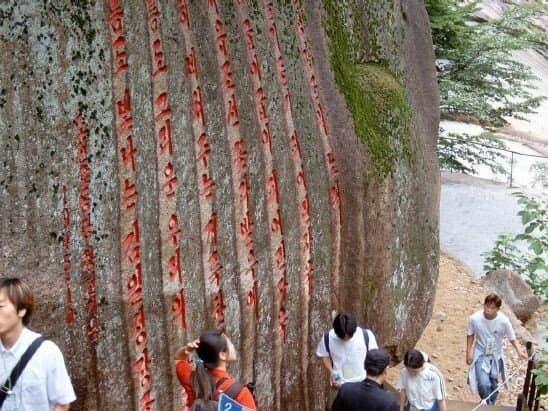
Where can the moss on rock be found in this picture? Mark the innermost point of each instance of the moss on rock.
(374, 96)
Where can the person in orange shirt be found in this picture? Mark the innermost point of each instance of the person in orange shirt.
(205, 376)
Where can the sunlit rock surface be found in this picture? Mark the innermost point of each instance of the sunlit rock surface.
(173, 166)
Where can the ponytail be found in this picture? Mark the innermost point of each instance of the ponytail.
(202, 382)
(211, 344)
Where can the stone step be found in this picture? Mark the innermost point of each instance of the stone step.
(453, 405)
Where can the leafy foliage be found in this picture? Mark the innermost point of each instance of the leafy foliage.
(482, 82)
(541, 374)
(463, 153)
(479, 81)
(527, 252)
(540, 173)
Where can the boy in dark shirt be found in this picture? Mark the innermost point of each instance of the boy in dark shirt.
(368, 395)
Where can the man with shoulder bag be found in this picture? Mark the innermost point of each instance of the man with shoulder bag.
(32, 370)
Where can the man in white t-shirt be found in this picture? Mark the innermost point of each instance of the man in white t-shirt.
(44, 384)
(344, 354)
(421, 384)
(487, 329)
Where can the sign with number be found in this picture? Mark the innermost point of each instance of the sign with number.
(228, 404)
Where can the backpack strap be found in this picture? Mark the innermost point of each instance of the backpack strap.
(19, 368)
(366, 337)
(326, 343)
(220, 382)
(234, 390)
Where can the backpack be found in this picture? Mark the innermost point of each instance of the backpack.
(233, 391)
(326, 340)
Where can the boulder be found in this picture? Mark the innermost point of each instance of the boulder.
(514, 291)
(173, 166)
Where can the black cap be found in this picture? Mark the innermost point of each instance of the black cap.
(376, 362)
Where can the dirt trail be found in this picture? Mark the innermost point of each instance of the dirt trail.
(458, 295)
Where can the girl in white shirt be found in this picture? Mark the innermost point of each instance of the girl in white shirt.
(421, 384)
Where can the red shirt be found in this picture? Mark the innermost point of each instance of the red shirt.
(184, 371)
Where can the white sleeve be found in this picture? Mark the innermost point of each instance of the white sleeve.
(471, 330)
(510, 334)
(59, 386)
(321, 350)
(402, 380)
(439, 388)
(372, 340)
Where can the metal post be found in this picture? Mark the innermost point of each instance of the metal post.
(519, 404)
(537, 402)
(532, 394)
(528, 374)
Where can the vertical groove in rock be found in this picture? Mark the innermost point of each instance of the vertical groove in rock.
(169, 184)
(172, 281)
(306, 266)
(132, 272)
(88, 258)
(211, 259)
(67, 261)
(247, 261)
(87, 230)
(274, 217)
(329, 158)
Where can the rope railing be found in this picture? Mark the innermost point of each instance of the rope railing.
(529, 396)
(499, 386)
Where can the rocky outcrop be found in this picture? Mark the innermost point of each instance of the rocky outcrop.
(514, 291)
(249, 165)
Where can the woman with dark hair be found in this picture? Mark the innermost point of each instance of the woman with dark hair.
(201, 367)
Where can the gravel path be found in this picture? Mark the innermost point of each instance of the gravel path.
(473, 212)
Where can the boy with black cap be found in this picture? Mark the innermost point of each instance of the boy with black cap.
(368, 395)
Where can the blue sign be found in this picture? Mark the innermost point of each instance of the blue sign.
(228, 404)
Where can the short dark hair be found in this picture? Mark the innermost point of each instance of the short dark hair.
(345, 324)
(19, 294)
(376, 361)
(413, 359)
(493, 299)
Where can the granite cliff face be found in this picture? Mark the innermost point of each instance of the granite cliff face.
(249, 165)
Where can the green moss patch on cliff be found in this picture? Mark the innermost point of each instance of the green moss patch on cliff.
(374, 96)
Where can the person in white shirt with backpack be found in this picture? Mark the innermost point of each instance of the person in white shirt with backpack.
(343, 350)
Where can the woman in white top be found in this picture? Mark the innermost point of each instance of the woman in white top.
(421, 384)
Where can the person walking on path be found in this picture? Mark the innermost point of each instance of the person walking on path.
(32, 369)
(487, 329)
(368, 395)
(421, 384)
(201, 367)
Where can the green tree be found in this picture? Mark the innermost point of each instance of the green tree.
(482, 82)
(478, 79)
(462, 153)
